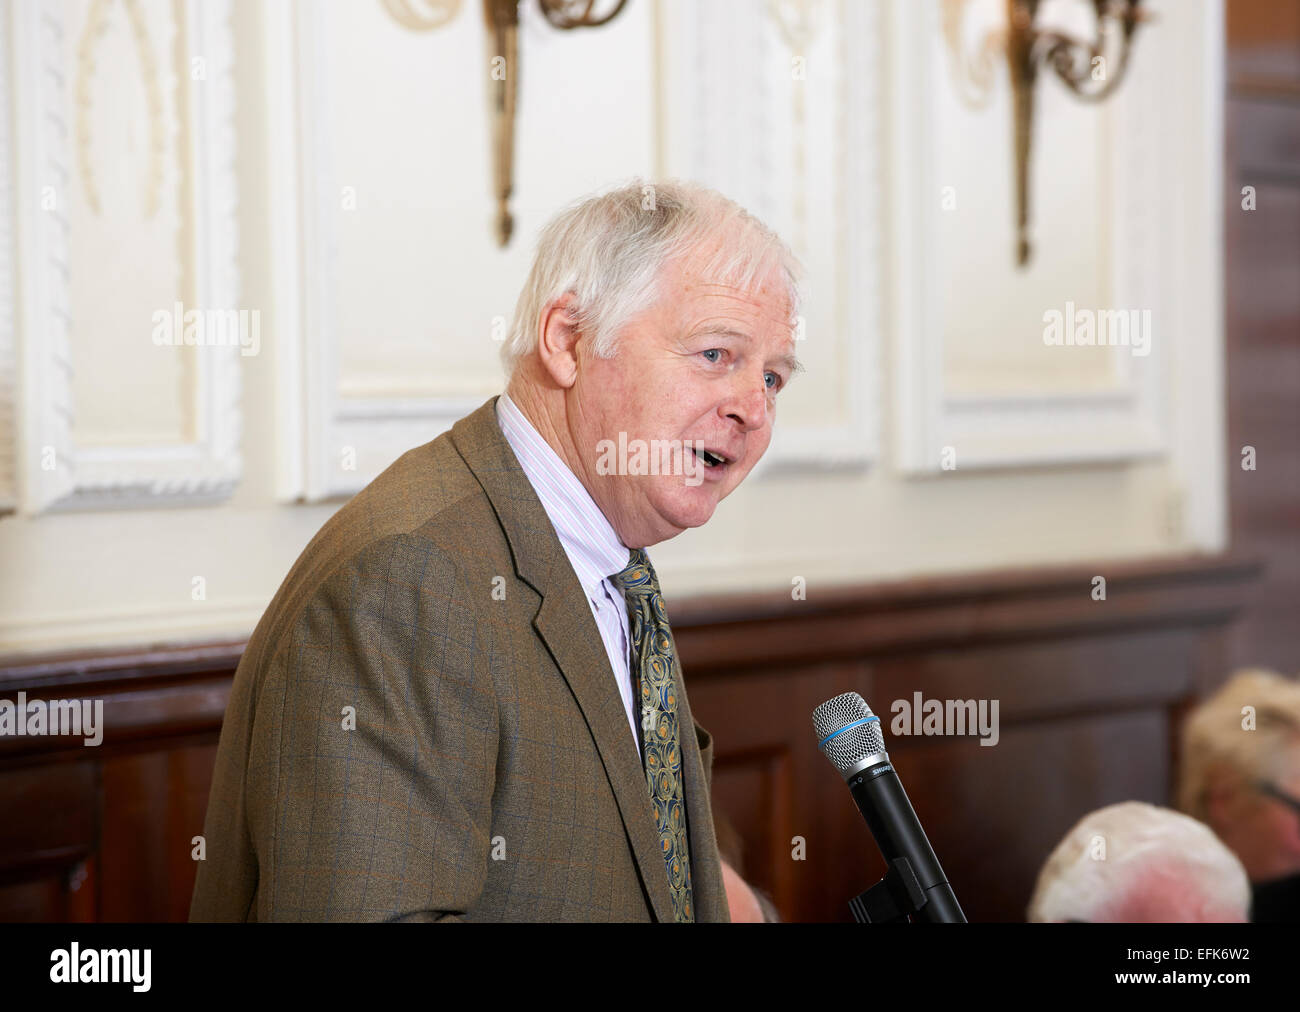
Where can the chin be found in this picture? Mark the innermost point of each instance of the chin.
(687, 506)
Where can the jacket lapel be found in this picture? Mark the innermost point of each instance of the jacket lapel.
(565, 624)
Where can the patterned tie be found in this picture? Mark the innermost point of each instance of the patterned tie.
(653, 667)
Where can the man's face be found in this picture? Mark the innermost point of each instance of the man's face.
(1264, 831)
(704, 365)
(1278, 821)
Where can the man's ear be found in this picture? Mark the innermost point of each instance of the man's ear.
(557, 340)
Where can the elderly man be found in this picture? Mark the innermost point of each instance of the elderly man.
(1240, 774)
(465, 701)
(1134, 862)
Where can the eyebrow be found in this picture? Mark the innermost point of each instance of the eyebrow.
(789, 360)
(791, 363)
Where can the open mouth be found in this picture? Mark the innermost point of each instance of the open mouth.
(710, 459)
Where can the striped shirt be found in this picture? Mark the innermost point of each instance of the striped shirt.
(588, 539)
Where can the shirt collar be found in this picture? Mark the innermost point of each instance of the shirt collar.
(588, 539)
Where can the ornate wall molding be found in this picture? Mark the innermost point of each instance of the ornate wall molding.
(331, 443)
(43, 171)
(1128, 421)
(334, 439)
(8, 304)
(815, 175)
(58, 473)
(92, 33)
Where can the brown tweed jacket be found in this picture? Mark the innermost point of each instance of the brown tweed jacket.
(490, 773)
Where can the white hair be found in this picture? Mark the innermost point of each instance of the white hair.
(1215, 737)
(610, 250)
(1115, 851)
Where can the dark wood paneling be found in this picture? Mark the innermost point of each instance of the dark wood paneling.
(769, 781)
(159, 800)
(994, 814)
(50, 818)
(102, 832)
(1089, 693)
(1262, 121)
(1263, 46)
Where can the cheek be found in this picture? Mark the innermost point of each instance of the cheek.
(610, 398)
(1286, 827)
(1223, 915)
(759, 441)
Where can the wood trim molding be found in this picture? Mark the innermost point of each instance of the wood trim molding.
(182, 690)
(761, 630)
(149, 695)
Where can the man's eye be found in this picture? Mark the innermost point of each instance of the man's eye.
(776, 381)
(712, 351)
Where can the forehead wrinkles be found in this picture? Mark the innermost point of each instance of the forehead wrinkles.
(763, 292)
(710, 302)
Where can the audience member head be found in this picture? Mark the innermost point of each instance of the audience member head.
(1134, 862)
(1240, 771)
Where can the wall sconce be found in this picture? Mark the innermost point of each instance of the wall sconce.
(502, 18)
(1092, 70)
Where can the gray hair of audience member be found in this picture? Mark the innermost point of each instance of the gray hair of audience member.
(1137, 862)
(1261, 744)
(610, 251)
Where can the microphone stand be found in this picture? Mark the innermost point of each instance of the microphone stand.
(891, 900)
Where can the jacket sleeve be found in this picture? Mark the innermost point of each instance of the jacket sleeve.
(377, 730)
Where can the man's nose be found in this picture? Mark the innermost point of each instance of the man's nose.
(748, 404)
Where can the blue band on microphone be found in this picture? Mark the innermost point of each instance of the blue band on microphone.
(848, 727)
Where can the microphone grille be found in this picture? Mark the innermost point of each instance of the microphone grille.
(847, 731)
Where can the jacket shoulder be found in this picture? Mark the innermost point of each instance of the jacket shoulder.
(428, 499)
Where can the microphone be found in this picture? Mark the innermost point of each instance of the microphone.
(849, 735)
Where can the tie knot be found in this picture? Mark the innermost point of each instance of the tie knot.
(637, 578)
